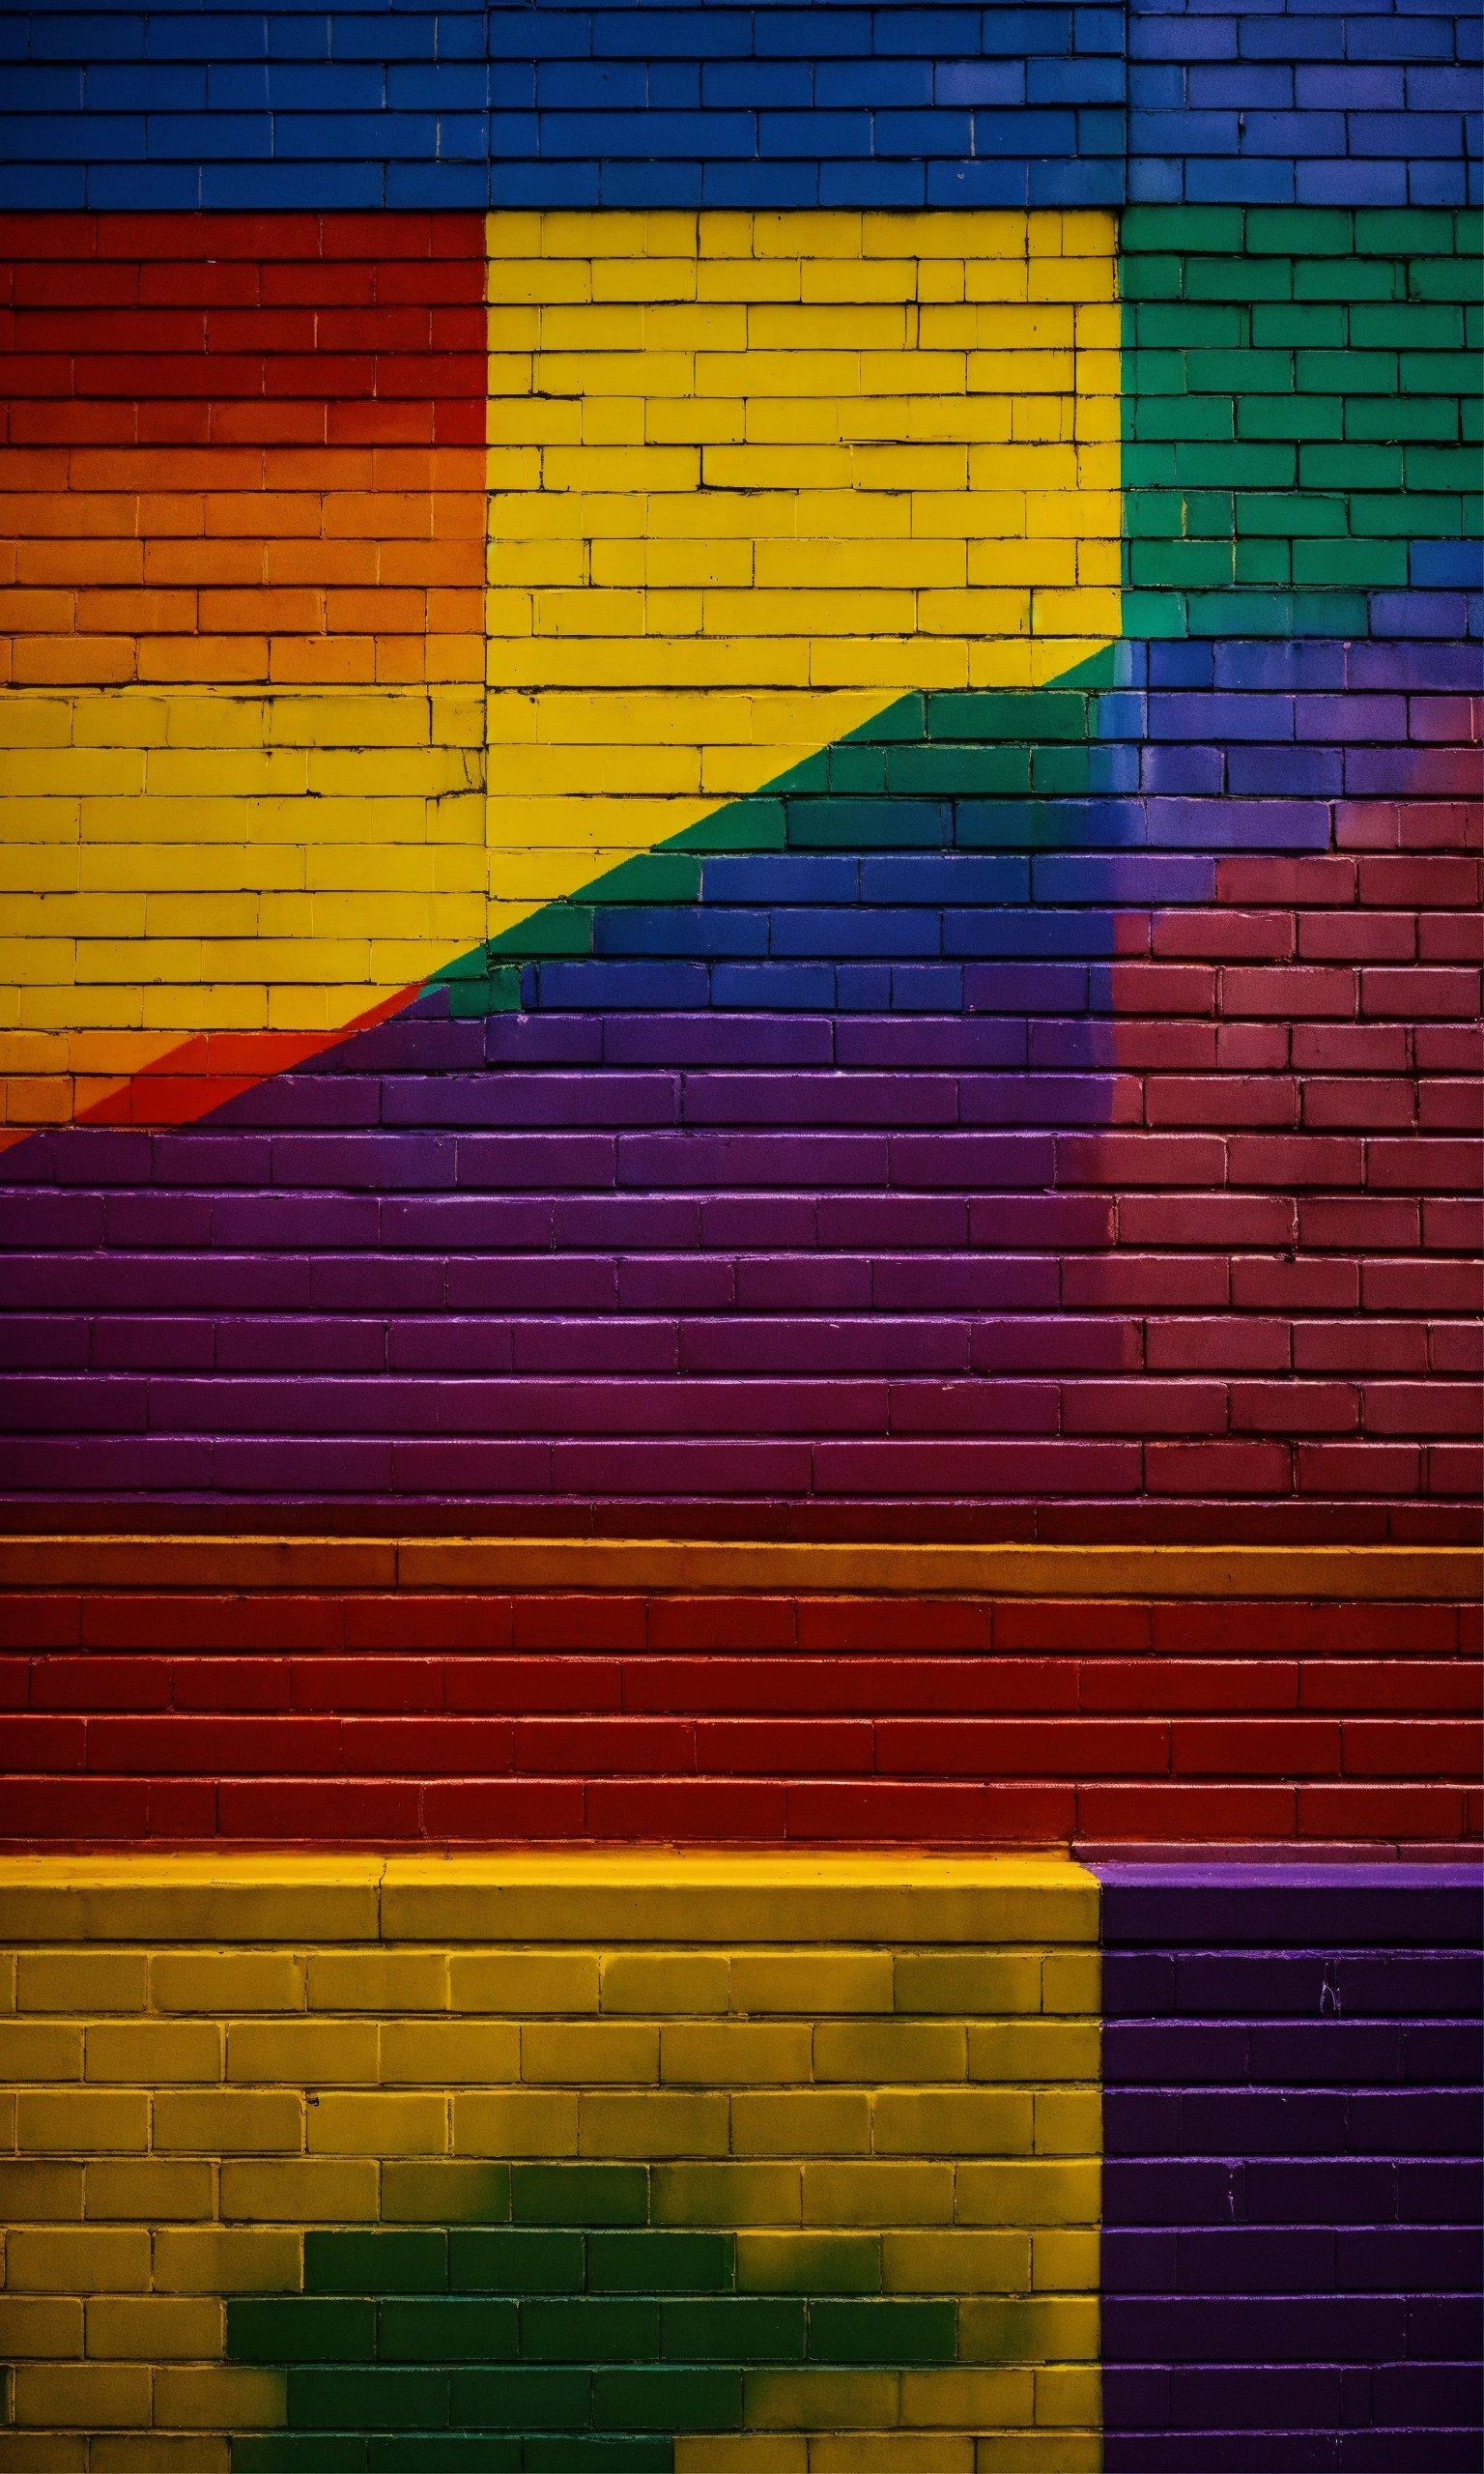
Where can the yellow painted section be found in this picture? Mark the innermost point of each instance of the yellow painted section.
(755, 475)
(750, 478)
(211, 2054)
(199, 860)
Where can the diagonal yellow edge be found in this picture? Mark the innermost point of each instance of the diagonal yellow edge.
(269, 1562)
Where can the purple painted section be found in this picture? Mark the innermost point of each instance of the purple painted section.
(1291, 2261)
(1095, 1162)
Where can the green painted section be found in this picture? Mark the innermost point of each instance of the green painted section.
(1300, 406)
(563, 2330)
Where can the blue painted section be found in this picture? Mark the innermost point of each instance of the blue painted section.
(772, 105)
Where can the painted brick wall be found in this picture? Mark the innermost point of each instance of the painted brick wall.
(742, 778)
(741, 2165)
(1131, 1171)
(929, 1062)
(463, 1693)
(1291, 2255)
(555, 2165)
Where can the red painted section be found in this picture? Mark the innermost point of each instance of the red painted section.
(776, 1717)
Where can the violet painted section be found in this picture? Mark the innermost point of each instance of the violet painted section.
(1290, 2260)
(1091, 1162)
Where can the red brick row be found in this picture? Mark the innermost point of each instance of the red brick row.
(382, 1811)
(209, 1624)
(768, 1687)
(178, 1743)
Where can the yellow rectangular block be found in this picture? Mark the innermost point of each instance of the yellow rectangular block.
(46, 2259)
(1068, 2393)
(158, 2188)
(336, 2052)
(441, 2190)
(882, 2050)
(522, 1983)
(583, 2054)
(181, 1899)
(226, 1982)
(962, 1982)
(378, 1980)
(445, 2053)
(230, 2121)
(159, 2452)
(652, 2125)
(41, 2189)
(725, 2194)
(1035, 2048)
(150, 2052)
(1040, 2329)
(876, 2193)
(1071, 1981)
(103, 2395)
(40, 2049)
(205, 2397)
(1069, 2121)
(153, 2327)
(47, 2452)
(302, 2190)
(1065, 2258)
(80, 1980)
(814, 2397)
(971, 2397)
(950, 2121)
(666, 1981)
(735, 2053)
(804, 2123)
(39, 2328)
(1024, 2191)
(1059, 2452)
(811, 1982)
(741, 2453)
(103, 2120)
(899, 2453)
(516, 2121)
(375, 2125)
(955, 2263)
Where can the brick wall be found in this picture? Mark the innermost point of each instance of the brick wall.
(448, 1693)
(930, 1053)
(897, 1150)
(1291, 2260)
(746, 2162)
(742, 803)
(610, 2159)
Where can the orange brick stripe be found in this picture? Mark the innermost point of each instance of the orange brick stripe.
(247, 1562)
(242, 448)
